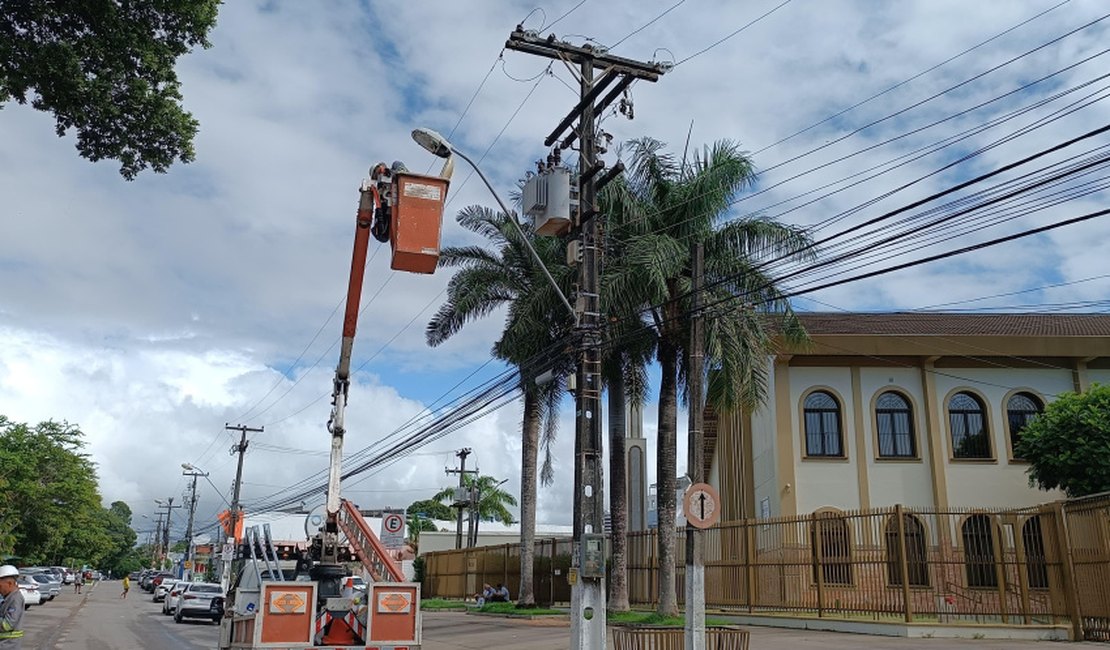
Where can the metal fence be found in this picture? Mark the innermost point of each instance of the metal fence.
(1044, 565)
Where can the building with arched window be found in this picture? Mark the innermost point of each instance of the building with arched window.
(920, 409)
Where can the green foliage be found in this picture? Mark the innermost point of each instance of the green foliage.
(655, 619)
(418, 568)
(432, 509)
(51, 505)
(106, 69)
(1068, 446)
(50, 508)
(492, 500)
(441, 605)
(511, 608)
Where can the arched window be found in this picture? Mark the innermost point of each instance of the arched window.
(822, 423)
(967, 420)
(894, 422)
(1036, 565)
(978, 539)
(835, 556)
(1020, 409)
(917, 561)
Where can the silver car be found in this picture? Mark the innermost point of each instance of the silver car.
(200, 600)
(49, 586)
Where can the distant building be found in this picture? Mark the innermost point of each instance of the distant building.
(919, 409)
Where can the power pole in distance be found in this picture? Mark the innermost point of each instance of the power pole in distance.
(189, 552)
(156, 546)
(165, 543)
(462, 471)
(241, 449)
(616, 75)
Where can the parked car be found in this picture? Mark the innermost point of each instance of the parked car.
(162, 588)
(134, 576)
(157, 580)
(173, 593)
(200, 600)
(49, 586)
(30, 589)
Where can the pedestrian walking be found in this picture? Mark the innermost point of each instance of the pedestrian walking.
(126, 586)
(78, 582)
(11, 611)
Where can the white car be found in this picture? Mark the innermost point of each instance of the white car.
(199, 600)
(162, 589)
(173, 595)
(30, 589)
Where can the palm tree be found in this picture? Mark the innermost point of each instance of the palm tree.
(656, 213)
(535, 325)
(493, 502)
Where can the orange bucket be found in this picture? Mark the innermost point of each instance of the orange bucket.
(417, 221)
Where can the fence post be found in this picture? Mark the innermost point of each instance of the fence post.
(904, 563)
(818, 565)
(1070, 592)
(999, 564)
(1023, 570)
(749, 557)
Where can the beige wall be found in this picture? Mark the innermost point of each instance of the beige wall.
(844, 484)
(822, 482)
(908, 482)
(1001, 482)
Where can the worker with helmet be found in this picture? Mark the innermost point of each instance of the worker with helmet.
(11, 610)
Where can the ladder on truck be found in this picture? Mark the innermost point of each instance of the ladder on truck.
(369, 549)
(265, 544)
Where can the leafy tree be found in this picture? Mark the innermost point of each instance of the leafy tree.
(119, 554)
(535, 323)
(431, 509)
(106, 69)
(656, 213)
(1068, 446)
(493, 502)
(416, 524)
(51, 505)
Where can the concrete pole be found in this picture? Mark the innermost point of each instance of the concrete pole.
(695, 556)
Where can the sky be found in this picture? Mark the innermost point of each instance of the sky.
(153, 312)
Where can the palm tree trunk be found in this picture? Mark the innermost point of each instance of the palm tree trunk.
(529, 453)
(618, 495)
(665, 468)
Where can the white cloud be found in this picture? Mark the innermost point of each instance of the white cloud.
(153, 312)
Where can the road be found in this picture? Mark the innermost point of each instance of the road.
(100, 620)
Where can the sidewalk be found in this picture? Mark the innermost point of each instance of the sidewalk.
(457, 631)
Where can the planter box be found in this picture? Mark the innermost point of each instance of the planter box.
(725, 637)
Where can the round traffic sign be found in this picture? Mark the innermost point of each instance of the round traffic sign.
(393, 523)
(701, 505)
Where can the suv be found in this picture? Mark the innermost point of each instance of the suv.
(200, 600)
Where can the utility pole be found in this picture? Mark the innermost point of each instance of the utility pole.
(164, 544)
(156, 546)
(462, 471)
(235, 515)
(616, 75)
(695, 457)
(190, 553)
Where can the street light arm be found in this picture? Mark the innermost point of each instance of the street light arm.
(520, 231)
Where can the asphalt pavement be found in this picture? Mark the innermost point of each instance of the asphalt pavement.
(99, 620)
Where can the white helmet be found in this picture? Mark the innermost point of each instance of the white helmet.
(8, 571)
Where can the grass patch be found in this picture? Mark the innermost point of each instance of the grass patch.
(654, 618)
(510, 608)
(441, 605)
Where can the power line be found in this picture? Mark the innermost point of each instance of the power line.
(911, 79)
(706, 49)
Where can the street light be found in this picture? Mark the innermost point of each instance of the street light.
(439, 146)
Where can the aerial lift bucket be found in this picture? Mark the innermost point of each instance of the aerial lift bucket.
(417, 221)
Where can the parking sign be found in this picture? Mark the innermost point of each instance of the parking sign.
(393, 530)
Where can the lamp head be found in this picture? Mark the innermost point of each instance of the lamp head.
(432, 141)
(187, 467)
